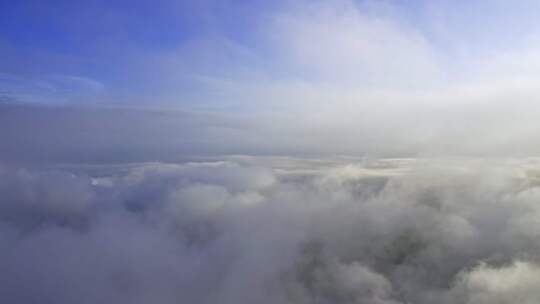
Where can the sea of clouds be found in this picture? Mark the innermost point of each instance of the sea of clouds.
(272, 230)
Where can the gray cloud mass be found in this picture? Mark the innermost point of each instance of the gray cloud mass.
(272, 230)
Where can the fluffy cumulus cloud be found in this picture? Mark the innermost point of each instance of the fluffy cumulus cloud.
(272, 230)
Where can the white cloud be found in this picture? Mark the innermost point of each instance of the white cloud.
(339, 43)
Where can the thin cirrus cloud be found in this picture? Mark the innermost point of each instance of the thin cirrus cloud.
(51, 89)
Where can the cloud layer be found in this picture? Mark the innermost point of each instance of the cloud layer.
(272, 230)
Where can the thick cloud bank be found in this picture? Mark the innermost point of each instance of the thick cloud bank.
(272, 231)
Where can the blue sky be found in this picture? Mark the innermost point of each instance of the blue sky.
(108, 43)
(181, 53)
(391, 77)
